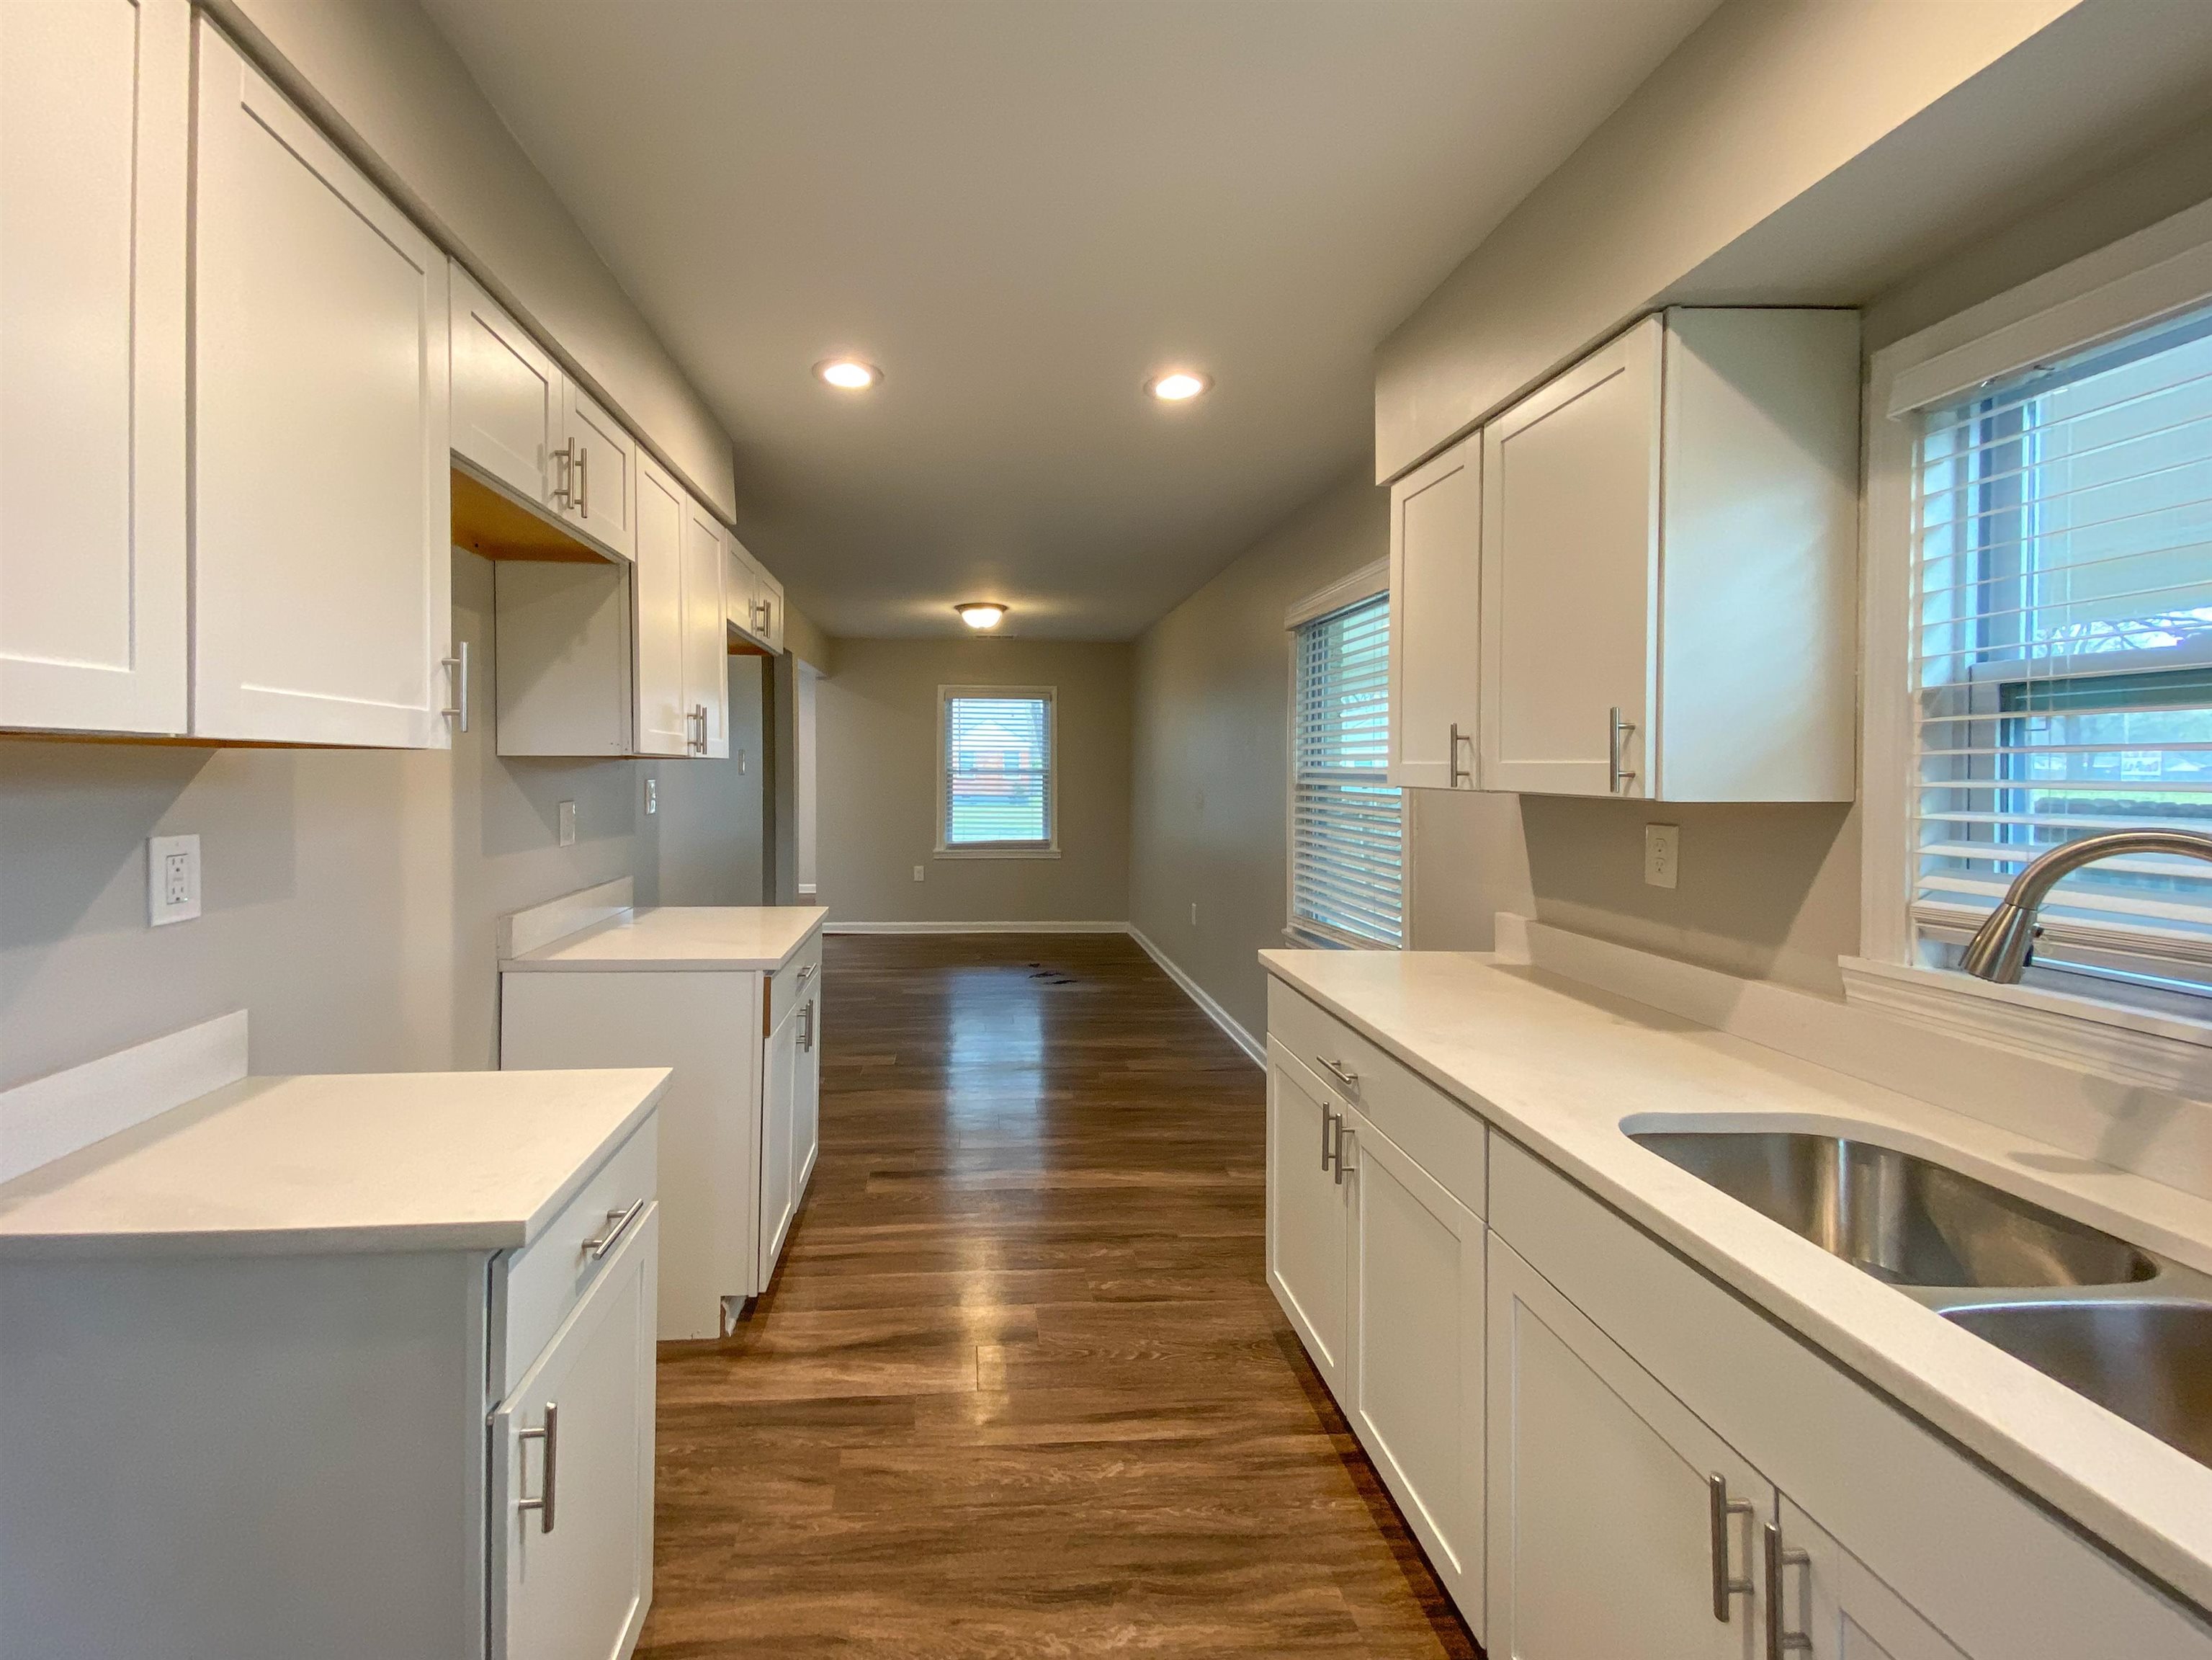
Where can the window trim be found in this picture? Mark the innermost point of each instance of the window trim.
(2159, 271)
(1048, 849)
(1369, 581)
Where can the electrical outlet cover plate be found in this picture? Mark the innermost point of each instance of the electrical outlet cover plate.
(652, 795)
(567, 820)
(1663, 854)
(173, 879)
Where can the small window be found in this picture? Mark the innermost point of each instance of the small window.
(997, 784)
(2063, 661)
(1347, 839)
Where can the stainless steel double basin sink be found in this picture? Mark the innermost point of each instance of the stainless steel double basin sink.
(2126, 1328)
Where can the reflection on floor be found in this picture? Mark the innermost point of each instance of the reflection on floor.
(1019, 1387)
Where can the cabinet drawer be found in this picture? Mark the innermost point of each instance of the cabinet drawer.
(791, 984)
(548, 1276)
(1445, 1139)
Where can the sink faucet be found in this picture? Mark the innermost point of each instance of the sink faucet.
(2003, 947)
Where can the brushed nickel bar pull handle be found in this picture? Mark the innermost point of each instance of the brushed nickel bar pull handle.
(807, 1032)
(807, 971)
(457, 666)
(583, 481)
(550, 1435)
(563, 488)
(1326, 1116)
(1617, 734)
(1459, 772)
(604, 1241)
(1343, 1075)
(1719, 1508)
(1342, 1130)
(1780, 1639)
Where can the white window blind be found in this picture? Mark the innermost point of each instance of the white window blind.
(2064, 654)
(1347, 824)
(998, 769)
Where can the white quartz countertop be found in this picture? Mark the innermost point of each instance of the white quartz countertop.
(1558, 1066)
(660, 938)
(344, 1161)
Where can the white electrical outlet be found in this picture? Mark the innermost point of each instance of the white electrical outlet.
(1662, 854)
(743, 766)
(1194, 912)
(917, 872)
(652, 795)
(567, 823)
(173, 879)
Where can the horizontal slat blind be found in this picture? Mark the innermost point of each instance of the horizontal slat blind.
(1347, 827)
(998, 771)
(2064, 652)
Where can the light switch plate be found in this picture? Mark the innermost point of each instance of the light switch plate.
(917, 872)
(1663, 854)
(567, 823)
(173, 879)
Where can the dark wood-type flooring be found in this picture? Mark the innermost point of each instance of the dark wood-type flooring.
(1019, 1387)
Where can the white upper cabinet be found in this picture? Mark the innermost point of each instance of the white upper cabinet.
(706, 644)
(322, 583)
(598, 479)
(1668, 566)
(1435, 578)
(507, 397)
(665, 717)
(94, 146)
(753, 600)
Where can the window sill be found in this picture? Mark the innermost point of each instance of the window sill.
(2162, 1050)
(996, 853)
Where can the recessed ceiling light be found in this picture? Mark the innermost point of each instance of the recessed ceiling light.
(1178, 386)
(981, 614)
(848, 373)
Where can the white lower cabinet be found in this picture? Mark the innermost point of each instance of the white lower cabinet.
(1602, 1498)
(739, 1122)
(1413, 1355)
(1605, 1454)
(572, 1481)
(1308, 1227)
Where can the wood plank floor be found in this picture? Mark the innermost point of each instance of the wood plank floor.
(1020, 1388)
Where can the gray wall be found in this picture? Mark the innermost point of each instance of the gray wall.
(349, 896)
(1769, 893)
(876, 764)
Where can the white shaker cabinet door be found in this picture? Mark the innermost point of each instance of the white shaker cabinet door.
(665, 717)
(1435, 581)
(778, 1140)
(1828, 1596)
(1307, 1208)
(1601, 1527)
(598, 485)
(1571, 565)
(322, 564)
(1414, 1351)
(806, 1098)
(706, 636)
(94, 145)
(572, 1474)
(507, 394)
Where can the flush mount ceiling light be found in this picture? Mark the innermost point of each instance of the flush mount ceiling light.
(1178, 386)
(981, 614)
(847, 373)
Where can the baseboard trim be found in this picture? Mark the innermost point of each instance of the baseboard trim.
(1256, 1053)
(837, 926)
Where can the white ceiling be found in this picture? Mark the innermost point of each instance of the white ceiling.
(1021, 210)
